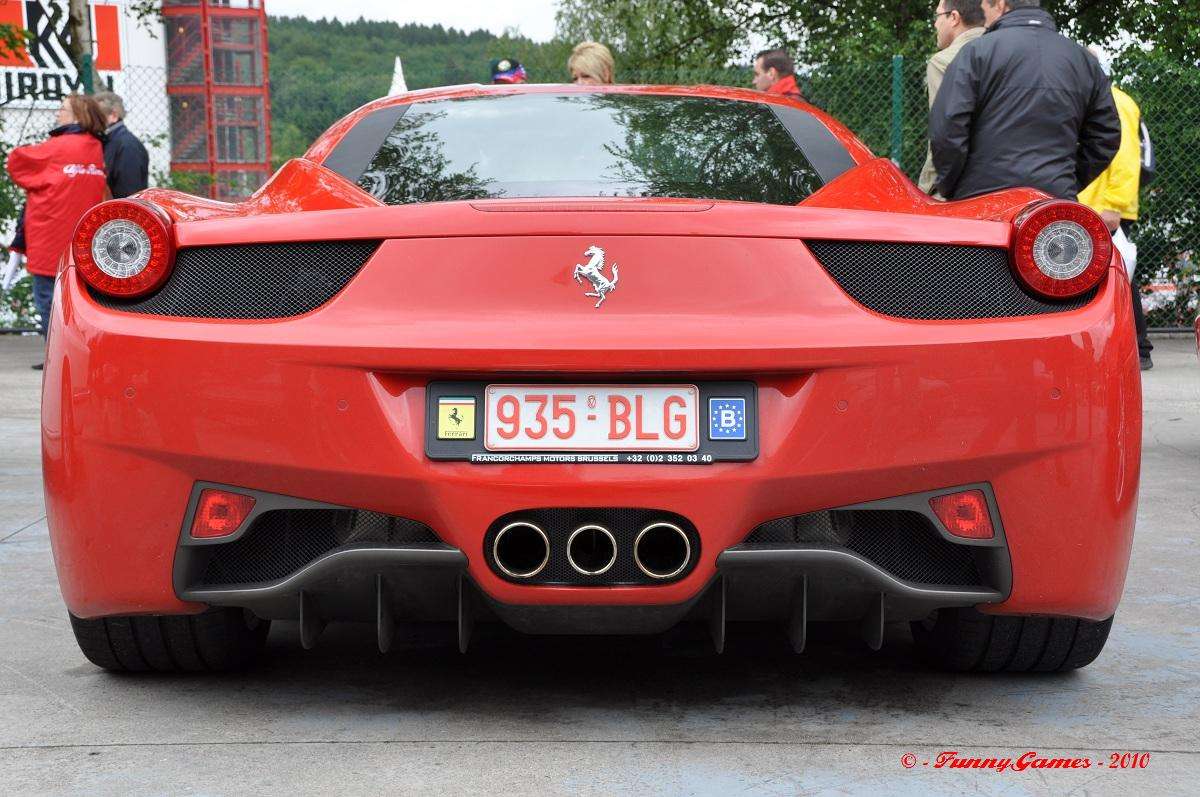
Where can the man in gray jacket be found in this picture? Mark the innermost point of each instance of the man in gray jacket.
(1022, 106)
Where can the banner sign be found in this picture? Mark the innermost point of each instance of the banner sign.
(39, 74)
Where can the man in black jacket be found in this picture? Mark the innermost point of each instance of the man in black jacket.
(126, 163)
(1022, 105)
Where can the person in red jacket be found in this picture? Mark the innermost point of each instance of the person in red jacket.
(775, 73)
(63, 177)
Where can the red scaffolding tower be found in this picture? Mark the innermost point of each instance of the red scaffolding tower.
(219, 93)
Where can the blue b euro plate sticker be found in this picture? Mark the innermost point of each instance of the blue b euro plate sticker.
(727, 419)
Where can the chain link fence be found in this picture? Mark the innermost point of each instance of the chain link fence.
(29, 118)
(885, 103)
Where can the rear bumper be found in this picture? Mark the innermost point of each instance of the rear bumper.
(793, 586)
(852, 408)
(293, 559)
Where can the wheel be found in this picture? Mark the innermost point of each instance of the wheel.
(220, 639)
(966, 640)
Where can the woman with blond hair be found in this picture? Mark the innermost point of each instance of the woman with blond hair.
(591, 64)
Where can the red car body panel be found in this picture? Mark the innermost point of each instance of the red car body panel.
(853, 405)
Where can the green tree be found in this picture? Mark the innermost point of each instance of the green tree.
(323, 69)
(657, 34)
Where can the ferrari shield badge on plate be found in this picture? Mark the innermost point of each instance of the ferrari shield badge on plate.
(593, 272)
(456, 418)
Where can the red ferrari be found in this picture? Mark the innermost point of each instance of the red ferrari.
(591, 361)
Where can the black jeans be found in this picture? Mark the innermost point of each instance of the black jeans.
(1139, 315)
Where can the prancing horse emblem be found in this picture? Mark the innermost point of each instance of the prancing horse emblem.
(594, 272)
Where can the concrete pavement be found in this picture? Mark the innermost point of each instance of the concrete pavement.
(603, 716)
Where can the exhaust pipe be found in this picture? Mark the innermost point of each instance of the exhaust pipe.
(521, 549)
(662, 550)
(591, 550)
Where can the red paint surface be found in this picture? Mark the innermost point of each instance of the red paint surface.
(853, 406)
(12, 14)
(107, 32)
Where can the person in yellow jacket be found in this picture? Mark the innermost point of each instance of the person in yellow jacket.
(1114, 195)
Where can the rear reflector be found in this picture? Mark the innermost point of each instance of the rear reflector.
(964, 514)
(219, 513)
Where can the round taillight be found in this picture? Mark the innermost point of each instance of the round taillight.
(124, 248)
(1060, 249)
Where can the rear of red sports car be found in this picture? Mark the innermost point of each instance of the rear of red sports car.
(594, 362)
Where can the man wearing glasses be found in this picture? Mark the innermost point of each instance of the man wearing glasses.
(956, 22)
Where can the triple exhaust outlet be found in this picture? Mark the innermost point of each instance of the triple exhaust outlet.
(661, 550)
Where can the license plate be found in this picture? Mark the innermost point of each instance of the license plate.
(591, 418)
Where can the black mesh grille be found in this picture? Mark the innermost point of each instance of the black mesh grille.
(282, 541)
(257, 281)
(625, 524)
(904, 544)
(931, 281)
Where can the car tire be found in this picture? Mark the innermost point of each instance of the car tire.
(967, 640)
(217, 640)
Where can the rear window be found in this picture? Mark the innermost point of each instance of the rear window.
(589, 145)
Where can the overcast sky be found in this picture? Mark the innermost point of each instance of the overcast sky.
(534, 18)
